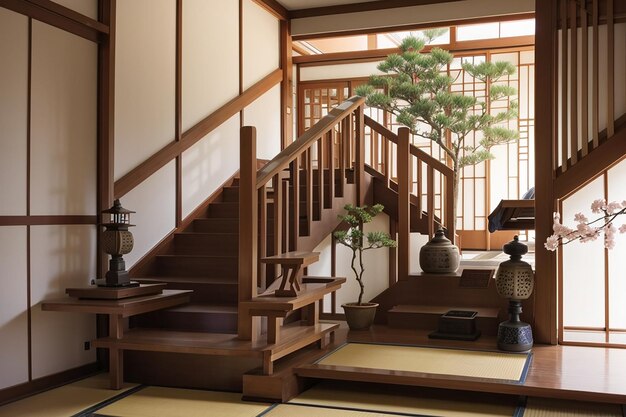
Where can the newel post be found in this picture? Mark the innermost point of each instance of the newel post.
(359, 157)
(247, 327)
(404, 192)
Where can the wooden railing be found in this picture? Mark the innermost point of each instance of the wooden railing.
(313, 171)
(416, 184)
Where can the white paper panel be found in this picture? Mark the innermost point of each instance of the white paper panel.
(260, 43)
(583, 265)
(13, 111)
(13, 307)
(87, 7)
(210, 57)
(209, 163)
(264, 114)
(617, 256)
(61, 257)
(144, 80)
(154, 200)
(329, 72)
(63, 122)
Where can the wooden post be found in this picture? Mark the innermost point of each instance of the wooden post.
(544, 327)
(286, 64)
(359, 157)
(404, 220)
(247, 326)
(450, 214)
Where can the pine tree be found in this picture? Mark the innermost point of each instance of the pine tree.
(416, 89)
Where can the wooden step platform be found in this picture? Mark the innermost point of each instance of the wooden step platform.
(564, 372)
(294, 337)
(413, 316)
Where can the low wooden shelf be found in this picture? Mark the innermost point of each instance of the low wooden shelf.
(118, 310)
(292, 264)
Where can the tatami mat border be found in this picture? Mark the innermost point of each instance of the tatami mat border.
(521, 381)
(89, 412)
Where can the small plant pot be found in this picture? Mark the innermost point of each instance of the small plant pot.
(360, 317)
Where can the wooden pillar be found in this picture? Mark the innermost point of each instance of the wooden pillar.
(247, 326)
(545, 327)
(404, 220)
(286, 86)
(359, 157)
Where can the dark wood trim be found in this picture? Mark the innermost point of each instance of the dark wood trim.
(162, 157)
(241, 58)
(275, 8)
(593, 165)
(47, 220)
(106, 120)
(360, 7)
(426, 25)
(38, 385)
(28, 166)
(59, 16)
(178, 112)
(545, 317)
(286, 94)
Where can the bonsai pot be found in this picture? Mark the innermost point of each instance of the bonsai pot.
(360, 317)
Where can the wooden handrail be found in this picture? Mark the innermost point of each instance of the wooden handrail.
(291, 152)
(170, 151)
(415, 151)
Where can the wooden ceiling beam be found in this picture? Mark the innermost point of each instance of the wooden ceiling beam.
(360, 7)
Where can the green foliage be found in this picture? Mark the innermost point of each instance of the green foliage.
(357, 241)
(416, 88)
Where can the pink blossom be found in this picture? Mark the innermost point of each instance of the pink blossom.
(598, 205)
(552, 243)
(609, 236)
(622, 228)
(613, 206)
(580, 218)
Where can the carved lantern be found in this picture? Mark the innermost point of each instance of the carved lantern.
(117, 241)
(515, 281)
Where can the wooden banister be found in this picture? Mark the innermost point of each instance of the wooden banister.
(292, 191)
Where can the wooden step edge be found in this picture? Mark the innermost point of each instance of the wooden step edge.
(295, 336)
(486, 312)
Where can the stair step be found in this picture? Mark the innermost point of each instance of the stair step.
(224, 210)
(195, 243)
(205, 289)
(427, 317)
(197, 317)
(214, 225)
(230, 194)
(197, 265)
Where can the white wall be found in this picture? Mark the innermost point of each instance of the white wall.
(209, 163)
(87, 7)
(144, 80)
(264, 114)
(210, 57)
(329, 72)
(63, 123)
(13, 111)
(409, 15)
(154, 200)
(260, 43)
(617, 258)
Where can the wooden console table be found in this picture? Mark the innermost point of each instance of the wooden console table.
(118, 310)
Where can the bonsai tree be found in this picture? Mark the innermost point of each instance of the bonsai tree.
(359, 242)
(416, 89)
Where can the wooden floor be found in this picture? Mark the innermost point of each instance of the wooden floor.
(566, 372)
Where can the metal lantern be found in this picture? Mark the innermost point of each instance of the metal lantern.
(515, 281)
(117, 240)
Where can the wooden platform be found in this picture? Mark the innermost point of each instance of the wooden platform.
(426, 317)
(565, 372)
(294, 337)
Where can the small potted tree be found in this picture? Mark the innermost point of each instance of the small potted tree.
(360, 315)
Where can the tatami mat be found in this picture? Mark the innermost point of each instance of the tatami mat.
(287, 410)
(172, 402)
(464, 363)
(372, 398)
(65, 401)
(546, 407)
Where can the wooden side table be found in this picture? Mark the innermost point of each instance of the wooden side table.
(292, 264)
(118, 310)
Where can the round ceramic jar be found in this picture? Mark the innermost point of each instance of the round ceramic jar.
(439, 256)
